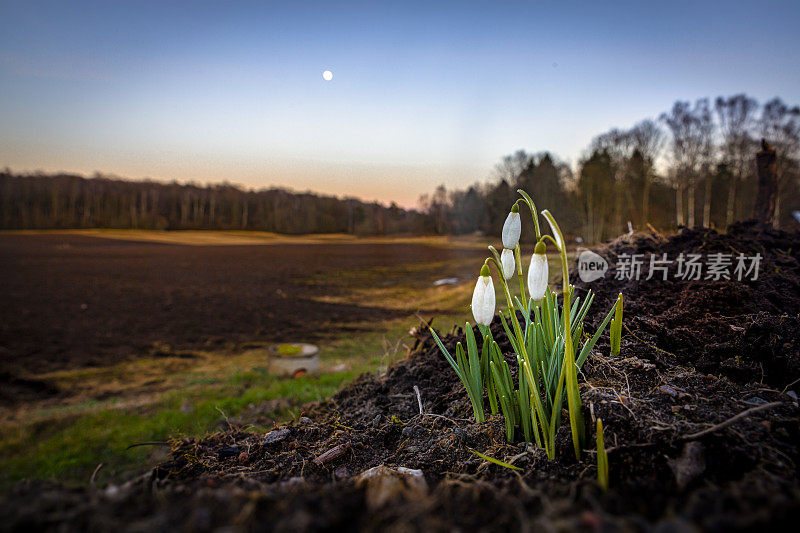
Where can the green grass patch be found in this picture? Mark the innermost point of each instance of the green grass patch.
(68, 442)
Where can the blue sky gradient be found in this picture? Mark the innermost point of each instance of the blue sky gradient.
(422, 94)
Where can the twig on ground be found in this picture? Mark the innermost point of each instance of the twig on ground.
(230, 427)
(731, 420)
(419, 399)
(94, 475)
(147, 444)
(635, 445)
(334, 453)
(654, 230)
(445, 418)
(422, 320)
(790, 385)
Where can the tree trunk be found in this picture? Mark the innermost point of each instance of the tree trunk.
(764, 210)
(690, 205)
(646, 201)
(679, 206)
(87, 207)
(617, 208)
(631, 204)
(184, 211)
(707, 203)
(729, 213)
(134, 218)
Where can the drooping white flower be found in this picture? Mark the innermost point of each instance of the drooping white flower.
(512, 228)
(483, 298)
(538, 272)
(509, 264)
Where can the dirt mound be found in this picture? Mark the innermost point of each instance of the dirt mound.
(748, 329)
(687, 449)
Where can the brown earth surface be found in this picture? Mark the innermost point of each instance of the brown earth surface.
(700, 410)
(70, 301)
(747, 330)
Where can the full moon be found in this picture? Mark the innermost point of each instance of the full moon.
(327, 75)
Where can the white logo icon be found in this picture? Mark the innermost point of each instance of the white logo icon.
(591, 266)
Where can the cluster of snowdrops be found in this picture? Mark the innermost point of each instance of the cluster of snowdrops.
(547, 339)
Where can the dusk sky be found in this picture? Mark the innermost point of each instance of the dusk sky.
(422, 93)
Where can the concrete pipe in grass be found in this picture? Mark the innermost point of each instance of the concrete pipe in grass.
(293, 360)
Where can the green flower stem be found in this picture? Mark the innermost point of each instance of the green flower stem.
(568, 370)
(533, 381)
(534, 212)
(522, 293)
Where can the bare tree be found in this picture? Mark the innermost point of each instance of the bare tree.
(705, 127)
(780, 125)
(595, 188)
(511, 166)
(735, 115)
(648, 139)
(40, 201)
(618, 144)
(676, 121)
(686, 127)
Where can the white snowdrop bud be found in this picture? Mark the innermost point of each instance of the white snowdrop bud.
(509, 264)
(538, 272)
(512, 228)
(483, 298)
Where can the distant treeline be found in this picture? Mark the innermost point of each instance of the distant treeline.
(695, 165)
(68, 201)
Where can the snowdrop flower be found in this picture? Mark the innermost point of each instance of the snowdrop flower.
(509, 264)
(538, 273)
(483, 299)
(512, 228)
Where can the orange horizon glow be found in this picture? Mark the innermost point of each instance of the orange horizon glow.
(382, 183)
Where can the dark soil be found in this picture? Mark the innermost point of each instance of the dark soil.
(746, 330)
(70, 301)
(674, 465)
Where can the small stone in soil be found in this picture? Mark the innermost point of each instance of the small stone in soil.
(276, 436)
(666, 389)
(383, 485)
(689, 465)
(227, 452)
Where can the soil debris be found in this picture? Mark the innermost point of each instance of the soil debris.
(701, 430)
(747, 330)
(384, 485)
